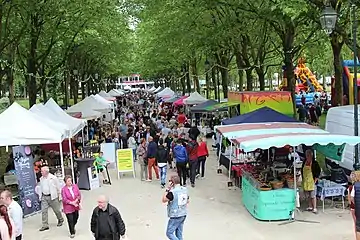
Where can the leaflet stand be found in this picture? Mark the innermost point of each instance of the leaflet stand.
(292, 214)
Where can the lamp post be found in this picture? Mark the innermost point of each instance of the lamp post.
(207, 68)
(328, 21)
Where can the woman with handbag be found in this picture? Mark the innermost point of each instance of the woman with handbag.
(141, 156)
(71, 203)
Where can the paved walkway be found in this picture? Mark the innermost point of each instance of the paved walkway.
(215, 212)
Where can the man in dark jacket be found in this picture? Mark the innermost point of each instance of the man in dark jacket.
(151, 157)
(162, 156)
(106, 222)
(194, 132)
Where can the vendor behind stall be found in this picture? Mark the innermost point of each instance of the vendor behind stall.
(310, 173)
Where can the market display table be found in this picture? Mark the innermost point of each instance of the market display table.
(269, 205)
(88, 176)
(327, 188)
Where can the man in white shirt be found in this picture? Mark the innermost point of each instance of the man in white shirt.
(15, 212)
(50, 190)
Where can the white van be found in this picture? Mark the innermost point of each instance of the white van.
(340, 120)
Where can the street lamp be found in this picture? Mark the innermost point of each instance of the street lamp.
(207, 68)
(96, 76)
(328, 21)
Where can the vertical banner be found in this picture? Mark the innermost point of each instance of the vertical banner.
(25, 174)
(125, 161)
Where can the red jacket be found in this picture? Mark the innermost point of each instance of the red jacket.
(203, 150)
(192, 150)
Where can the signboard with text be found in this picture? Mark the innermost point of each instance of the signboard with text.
(125, 161)
(23, 160)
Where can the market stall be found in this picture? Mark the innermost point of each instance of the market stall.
(194, 98)
(270, 192)
(22, 128)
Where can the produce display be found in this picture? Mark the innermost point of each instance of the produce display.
(265, 179)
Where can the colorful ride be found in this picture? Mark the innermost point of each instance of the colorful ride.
(305, 80)
(348, 82)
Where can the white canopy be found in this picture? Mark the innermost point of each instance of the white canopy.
(75, 125)
(194, 98)
(127, 87)
(89, 107)
(45, 115)
(22, 127)
(102, 100)
(152, 89)
(158, 89)
(115, 93)
(167, 92)
(105, 95)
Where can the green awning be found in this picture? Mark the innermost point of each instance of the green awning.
(331, 151)
(221, 106)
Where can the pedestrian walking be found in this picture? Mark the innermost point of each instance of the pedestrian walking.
(192, 150)
(151, 158)
(50, 197)
(106, 222)
(7, 225)
(181, 159)
(141, 153)
(203, 153)
(71, 198)
(15, 212)
(177, 198)
(162, 156)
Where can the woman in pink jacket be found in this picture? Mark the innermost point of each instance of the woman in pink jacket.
(71, 203)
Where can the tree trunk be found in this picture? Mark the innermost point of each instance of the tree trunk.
(10, 81)
(195, 75)
(31, 64)
(249, 79)
(44, 89)
(214, 81)
(241, 80)
(83, 87)
(336, 46)
(66, 89)
(187, 77)
(75, 90)
(224, 81)
(207, 80)
(261, 75)
(288, 45)
(240, 65)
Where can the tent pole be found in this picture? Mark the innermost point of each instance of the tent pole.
(71, 160)
(219, 154)
(230, 161)
(62, 160)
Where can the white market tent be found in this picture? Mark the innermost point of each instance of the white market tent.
(45, 115)
(75, 125)
(152, 89)
(22, 127)
(115, 93)
(104, 101)
(194, 99)
(89, 107)
(106, 95)
(166, 93)
(52, 120)
(157, 90)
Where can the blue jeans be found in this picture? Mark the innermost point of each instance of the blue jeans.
(163, 171)
(175, 225)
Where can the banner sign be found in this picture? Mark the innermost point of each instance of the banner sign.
(29, 200)
(125, 161)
